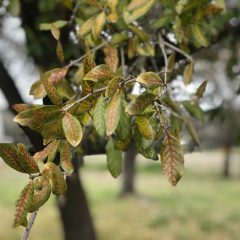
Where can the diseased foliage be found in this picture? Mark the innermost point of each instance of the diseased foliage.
(95, 91)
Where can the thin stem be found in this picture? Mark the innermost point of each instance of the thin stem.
(74, 12)
(74, 62)
(162, 46)
(177, 50)
(84, 98)
(123, 62)
(29, 226)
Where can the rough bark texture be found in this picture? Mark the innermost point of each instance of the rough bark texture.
(73, 206)
(129, 171)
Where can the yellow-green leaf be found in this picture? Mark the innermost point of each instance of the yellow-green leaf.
(114, 159)
(187, 75)
(140, 103)
(66, 157)
(97, 28)
(72, 129)
(198, 35)
(113, 86)
(150, 79)
(201, 89)
(99, 116)
(59, 185)
(41, 196)
(144, 127)
(113, 111)
(86, 28)
(23, 204)
(100, 72)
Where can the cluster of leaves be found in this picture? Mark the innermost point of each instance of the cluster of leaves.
(95, 92)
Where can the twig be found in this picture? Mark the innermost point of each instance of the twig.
(177, 50)
(74, 12)
(84, 98)
(29, 226)
(123, 62)
(73, 62)
(161, 45)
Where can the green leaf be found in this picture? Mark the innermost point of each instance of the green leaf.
(114, 159)
(201, 89)
(9, 154)
(113, 112)
(140, 103)
(194, 110)
(23, 204)
(172, 158)
(198, 35)
(192, 132)
(150, 79)
(48, 26)
(66, 157)
(99, 116)
(187, 75)
(72, 129)
(123, 130)
(98, 73)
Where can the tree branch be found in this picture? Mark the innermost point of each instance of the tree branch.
(29, 226)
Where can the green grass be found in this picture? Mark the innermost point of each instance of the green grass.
(202, 206)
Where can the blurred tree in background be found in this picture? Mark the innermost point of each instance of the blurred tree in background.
(130, 55)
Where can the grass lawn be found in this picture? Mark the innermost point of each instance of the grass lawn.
(202, 206)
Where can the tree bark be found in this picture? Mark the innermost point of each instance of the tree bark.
(74, 211)
(129, 171)
(75, 214)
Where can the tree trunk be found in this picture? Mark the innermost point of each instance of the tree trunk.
(74, 210)
(129, 171)
(226, 166)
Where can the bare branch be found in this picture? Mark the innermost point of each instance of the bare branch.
(29, 226)
(161, 45)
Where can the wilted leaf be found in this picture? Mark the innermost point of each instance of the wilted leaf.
(140, 103)
(72, 129)
(172, 158)
(26, 160)
(201, 89)
(9, 154)
(66, 157)
(187, 75)
(114, 159)
(59, 185)
(150, 79)
(100, 21)
(100, 72)
(99, 116)
(113, 111)
(111, 57)
(23, 204)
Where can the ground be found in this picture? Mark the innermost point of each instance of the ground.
(202, 206)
